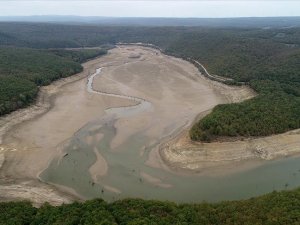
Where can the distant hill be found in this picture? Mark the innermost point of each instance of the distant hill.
(247, 22)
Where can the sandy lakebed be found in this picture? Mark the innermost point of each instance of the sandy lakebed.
(119, 129)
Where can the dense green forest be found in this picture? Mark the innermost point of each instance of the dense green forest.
(22, 70)
(271, 68)
(45, 35)
(266, 59)
(271, 209)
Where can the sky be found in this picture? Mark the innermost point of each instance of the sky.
(156, 8)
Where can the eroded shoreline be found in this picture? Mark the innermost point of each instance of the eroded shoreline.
(30, 187)
(122, 78)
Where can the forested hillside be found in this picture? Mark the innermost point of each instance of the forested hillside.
(270, 67)
(266, 59)
(36, 35)
(43, 35)
(22, 70)
(271, 209)
(32, 55)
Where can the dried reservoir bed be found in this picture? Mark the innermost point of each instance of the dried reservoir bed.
(118, 130)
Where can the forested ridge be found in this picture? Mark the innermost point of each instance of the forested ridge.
(22, 70)
(271, 209)
(265, 59)
(271, 68)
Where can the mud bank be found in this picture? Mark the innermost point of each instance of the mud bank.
(121, 132)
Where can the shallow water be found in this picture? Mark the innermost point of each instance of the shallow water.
(126, 163)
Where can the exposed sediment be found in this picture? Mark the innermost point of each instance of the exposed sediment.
(32, 137)
(182, 153)
(131, 76)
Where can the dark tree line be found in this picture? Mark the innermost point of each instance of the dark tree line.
(271, 209)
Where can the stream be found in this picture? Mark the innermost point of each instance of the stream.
(126, 166)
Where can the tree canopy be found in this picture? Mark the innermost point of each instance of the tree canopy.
(271, 209)
(22, 70)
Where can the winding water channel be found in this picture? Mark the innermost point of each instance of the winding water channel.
(141, 105)
(129, 176)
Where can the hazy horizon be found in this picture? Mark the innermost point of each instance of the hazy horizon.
(150, 9)
(158, 17)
